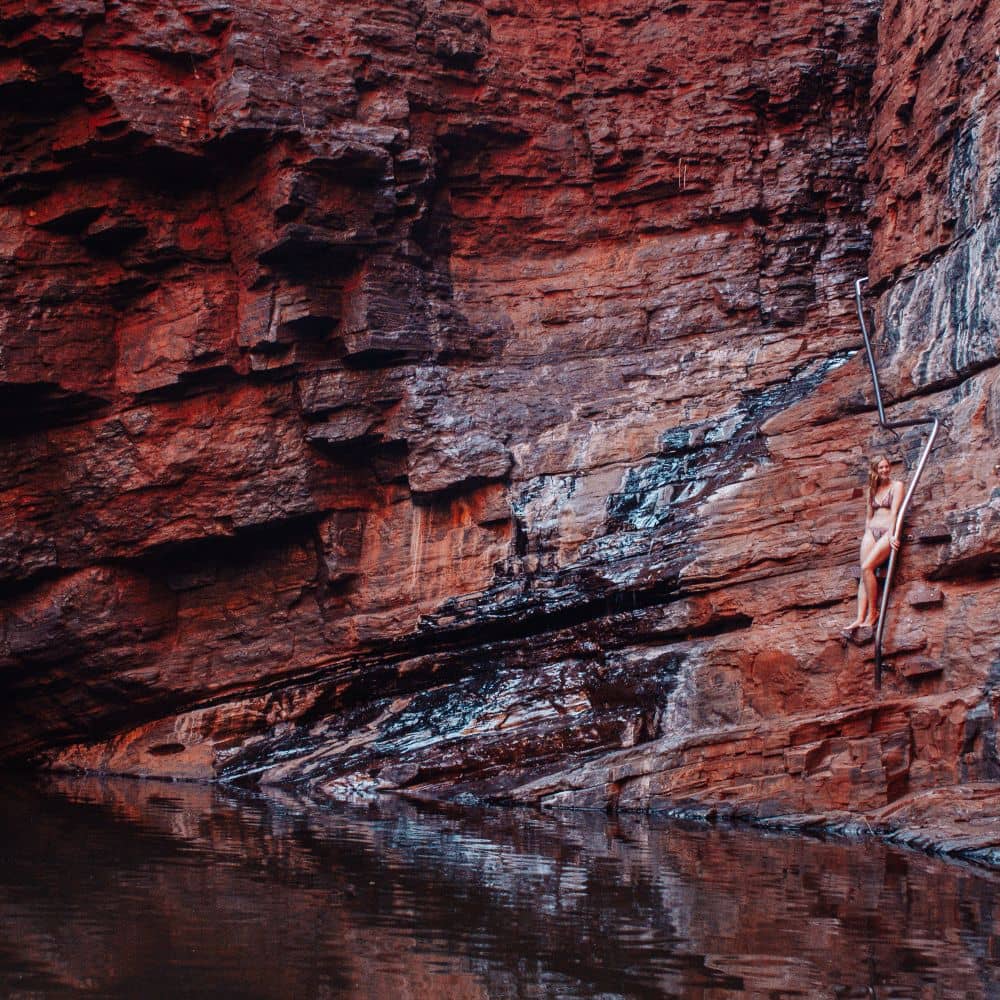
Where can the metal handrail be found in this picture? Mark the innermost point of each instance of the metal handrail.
(891, 425)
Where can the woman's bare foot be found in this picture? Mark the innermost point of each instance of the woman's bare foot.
(871, 622)
(857, 623)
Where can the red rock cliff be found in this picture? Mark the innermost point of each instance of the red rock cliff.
(465, 398)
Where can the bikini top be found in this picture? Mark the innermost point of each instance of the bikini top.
(886, 500)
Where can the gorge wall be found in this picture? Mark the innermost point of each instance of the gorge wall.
(464, 399)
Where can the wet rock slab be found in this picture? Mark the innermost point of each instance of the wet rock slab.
(465, 400)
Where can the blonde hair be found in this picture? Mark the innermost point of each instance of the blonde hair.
(873, 478)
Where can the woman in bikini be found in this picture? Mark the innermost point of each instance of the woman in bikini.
(881, 534)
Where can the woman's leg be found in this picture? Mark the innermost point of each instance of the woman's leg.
(877, 555)
(862, 604)
(867, 542)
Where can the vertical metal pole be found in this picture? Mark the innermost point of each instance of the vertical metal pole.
(858, 285)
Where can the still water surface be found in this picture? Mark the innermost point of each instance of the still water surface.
(139, 889)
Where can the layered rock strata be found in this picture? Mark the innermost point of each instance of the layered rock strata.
(457, 398)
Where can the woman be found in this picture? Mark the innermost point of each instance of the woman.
(881, 534)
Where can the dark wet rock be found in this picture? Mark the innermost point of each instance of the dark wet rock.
(445, 399)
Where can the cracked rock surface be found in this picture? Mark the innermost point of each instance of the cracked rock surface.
(463, 399)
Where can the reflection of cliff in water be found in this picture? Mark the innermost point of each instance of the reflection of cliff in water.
(127, 889)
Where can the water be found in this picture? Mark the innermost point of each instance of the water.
(140, 889)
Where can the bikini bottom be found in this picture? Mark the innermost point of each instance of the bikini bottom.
(877, 533)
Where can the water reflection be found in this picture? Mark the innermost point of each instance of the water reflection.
(128, 889)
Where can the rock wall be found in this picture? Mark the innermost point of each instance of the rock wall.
(452, 397)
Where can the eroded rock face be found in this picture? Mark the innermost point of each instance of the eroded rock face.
(465, 399)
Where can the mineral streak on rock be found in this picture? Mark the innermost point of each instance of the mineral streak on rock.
(452, 398)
